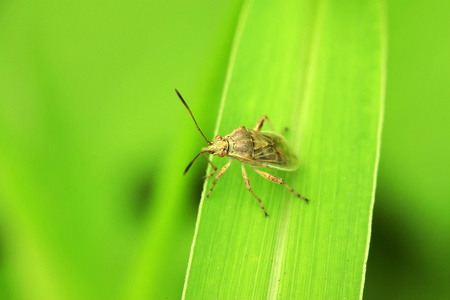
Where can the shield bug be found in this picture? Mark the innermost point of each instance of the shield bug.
(256, 148)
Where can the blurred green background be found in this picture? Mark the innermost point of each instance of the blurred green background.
(93, 143)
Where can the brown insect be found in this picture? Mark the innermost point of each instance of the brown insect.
(250, 147)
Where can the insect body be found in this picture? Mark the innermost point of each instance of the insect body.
(250, 147)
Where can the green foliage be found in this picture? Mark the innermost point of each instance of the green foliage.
(93, 143)
(409, 250)
(319, 70)
(93, 204)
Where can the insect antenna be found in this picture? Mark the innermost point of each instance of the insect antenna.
(190, 164)
(185, 104)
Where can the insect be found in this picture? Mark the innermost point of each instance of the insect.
(256, 148)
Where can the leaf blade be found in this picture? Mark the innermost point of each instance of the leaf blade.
(319, 250)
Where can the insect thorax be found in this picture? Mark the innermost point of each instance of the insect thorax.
(240, 143)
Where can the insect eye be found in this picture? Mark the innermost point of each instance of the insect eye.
(218, 138)
(221, 153)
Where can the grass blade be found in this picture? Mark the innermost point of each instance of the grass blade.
(318, 69)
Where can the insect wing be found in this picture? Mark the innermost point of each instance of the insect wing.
(272, 150)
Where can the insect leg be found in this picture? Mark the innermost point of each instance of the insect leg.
(260, 123)
(212, 165)
(278, 180)
(219, 174)
(247, 184)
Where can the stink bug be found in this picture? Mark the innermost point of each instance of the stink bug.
(256, 148)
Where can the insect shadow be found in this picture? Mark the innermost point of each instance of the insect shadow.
(256, 148)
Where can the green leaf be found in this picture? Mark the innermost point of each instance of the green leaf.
(318, 69)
